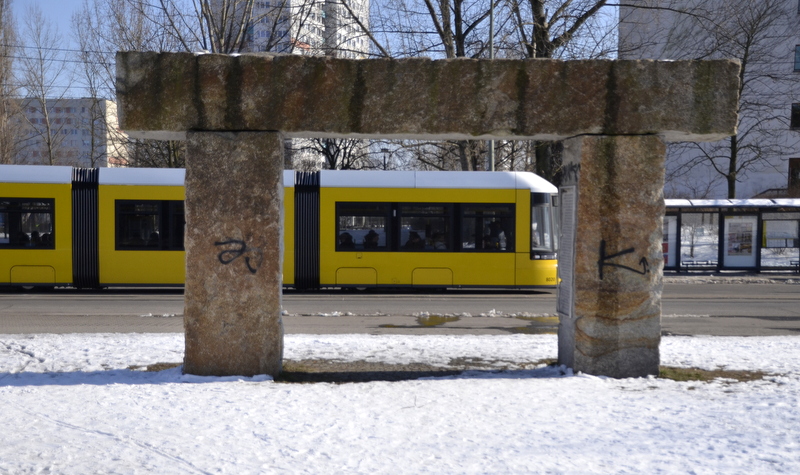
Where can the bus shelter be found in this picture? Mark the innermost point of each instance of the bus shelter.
(712, 235)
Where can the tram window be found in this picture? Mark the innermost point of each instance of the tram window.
(541, 234)
(362, 226)
(543, 237)
(177, 225)
(27, 223)
(425, 227)
(149, 225)
(487, 227)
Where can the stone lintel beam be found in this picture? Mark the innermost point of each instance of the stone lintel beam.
(163, 95)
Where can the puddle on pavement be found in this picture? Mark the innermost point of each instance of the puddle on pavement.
(537, 325)
(427, 321)
(435, 320)
(534, 330)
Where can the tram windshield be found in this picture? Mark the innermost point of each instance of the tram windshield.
(544, 240)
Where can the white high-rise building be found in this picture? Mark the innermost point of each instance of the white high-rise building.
(76, 132)
(765, 36)
(316, 27)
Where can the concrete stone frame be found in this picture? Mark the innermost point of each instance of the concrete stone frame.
(614, 117)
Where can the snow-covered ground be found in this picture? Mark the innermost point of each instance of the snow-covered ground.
(71, 405)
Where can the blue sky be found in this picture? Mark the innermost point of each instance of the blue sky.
(58, 11)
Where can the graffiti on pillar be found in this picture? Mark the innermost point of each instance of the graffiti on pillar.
(570, 172)
(603, 261)
(237, 248)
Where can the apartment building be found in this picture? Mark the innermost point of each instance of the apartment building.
(316, 27)
(76, 132)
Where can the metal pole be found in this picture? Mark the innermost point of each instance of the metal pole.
(491, 30)
(491, 57)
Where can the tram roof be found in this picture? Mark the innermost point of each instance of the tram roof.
(735, 203)
(328, 178)
(35, 174)
(142, 176)
(434, 179)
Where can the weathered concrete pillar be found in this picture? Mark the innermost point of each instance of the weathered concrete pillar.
(233, 243)
(611, 261)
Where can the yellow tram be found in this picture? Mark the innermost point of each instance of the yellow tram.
(92, 228)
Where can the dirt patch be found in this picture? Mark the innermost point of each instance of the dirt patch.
(696, 374)
(327, 371)
(155, 367)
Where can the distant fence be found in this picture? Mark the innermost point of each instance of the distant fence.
(756, 235)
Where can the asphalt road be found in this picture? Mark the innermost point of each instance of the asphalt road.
(692, 309)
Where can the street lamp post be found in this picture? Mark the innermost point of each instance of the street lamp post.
(491, 57)
(385, 151)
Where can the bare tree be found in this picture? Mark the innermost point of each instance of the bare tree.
(157, 154)
(236, 26)
(356, 18)
(45, 75)
(103, 27)
(686, 186)
(755, 33)
(443, 28)
(558, 29)
(568, 29)
(104, 140)
(218, 26)
(432, 155)
(336, 154)
(9, 127)
(436, 28)
(522, 29)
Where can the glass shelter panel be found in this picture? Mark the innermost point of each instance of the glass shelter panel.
(739, 248)
(670, 241)
(780, 243)
(699, 236)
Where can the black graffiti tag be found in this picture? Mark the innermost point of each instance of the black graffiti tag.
(603, 258)
(253, 256)
(570, 172)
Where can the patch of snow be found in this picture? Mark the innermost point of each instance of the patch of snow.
(72, 406)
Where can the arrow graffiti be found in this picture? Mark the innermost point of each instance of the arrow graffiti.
(602, 262)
